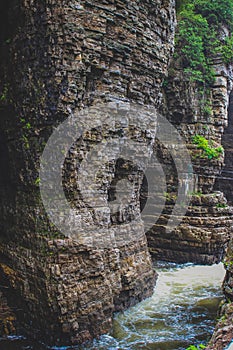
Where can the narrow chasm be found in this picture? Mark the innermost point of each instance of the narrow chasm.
(114, 284)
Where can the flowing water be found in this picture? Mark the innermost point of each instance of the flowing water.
(182, 311)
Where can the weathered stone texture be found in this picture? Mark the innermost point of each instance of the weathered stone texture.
(7, 318)
(225, 180)
(205, 231)
(59, 57)
(223, 333)
(62, 56)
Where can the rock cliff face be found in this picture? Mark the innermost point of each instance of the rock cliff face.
(223, 333)
(58, 57)
(204, 232)
(224, 181)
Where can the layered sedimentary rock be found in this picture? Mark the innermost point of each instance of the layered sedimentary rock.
(204, 232)
(57, 58)
(225, 180)
(7, 318)
(223, 333)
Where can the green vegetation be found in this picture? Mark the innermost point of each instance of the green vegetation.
(217, 12)
(227, 50)
(227, 264)
(198, 36)
(37, 181)
(196, 193)
(25, 141)
(170, 196)
(206, 146)
(198, 347)
(4, 95)
(26, 125)
(221, 205)
(207, 109)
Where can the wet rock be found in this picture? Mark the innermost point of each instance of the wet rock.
(223, 333)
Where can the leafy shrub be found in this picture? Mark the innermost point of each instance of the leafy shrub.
(198, 36)
(207, 109)
(192, 35)
(209, 151)
(220, 11)
(227, 50)
(198, 347)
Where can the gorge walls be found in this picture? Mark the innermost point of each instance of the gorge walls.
(224, 181)
(204, 232)
(57, 57)
(223, 333)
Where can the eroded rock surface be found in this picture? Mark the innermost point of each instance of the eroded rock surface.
(59, 57)
(223, 333)
(206, 229)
